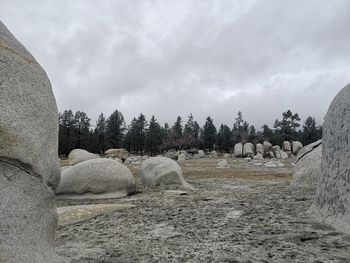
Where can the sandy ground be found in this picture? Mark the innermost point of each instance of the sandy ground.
(244, 213)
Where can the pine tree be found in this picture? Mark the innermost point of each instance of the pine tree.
(115, 129)
(209, 134)
(224, 138)
(100, 134)
(66, 132)
(154, 137)
(311, 132)
(82, 130)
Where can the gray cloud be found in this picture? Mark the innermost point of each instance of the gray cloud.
(167, 58)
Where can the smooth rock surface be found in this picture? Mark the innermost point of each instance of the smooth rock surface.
(287, 147)
(307, 168)
(267, 147)
(248, 150)
(29, 165)
(79, 155)
(162, 171)
(296, 147)
(97, 176)
(238, 150)
(332, 200)
(259, 149)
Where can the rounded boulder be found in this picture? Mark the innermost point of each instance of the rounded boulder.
(97, 176)
(162, 171)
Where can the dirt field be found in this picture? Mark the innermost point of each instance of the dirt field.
(244, 213)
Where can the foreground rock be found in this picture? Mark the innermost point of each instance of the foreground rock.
(307, 168)
(162, 171)
(97, 176)
(29, 168)
(79, 155)
(332, 201)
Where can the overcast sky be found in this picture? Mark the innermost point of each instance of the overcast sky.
(169, 58)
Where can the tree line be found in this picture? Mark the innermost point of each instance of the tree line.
(150, 137)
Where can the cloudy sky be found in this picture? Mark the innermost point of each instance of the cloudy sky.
(169, 58)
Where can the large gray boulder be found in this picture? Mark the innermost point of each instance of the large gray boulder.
(248, 150)
(238, 150)
(29, 165)
(79, 155)
(332, 200)
(162, 171)
(97, 176)
(307, 168)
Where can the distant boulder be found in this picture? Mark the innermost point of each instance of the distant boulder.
(287, 147)
(248, 150)
(213, 154)
(296, 147)
(162, 171)
(201, 154)
(222, 164)
(79, 155)
(117, 153)
(277, 152)
(267, 147)
(238, 150)
(260, 149)
(172, 155)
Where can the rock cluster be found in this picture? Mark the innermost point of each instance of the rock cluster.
(259, 151)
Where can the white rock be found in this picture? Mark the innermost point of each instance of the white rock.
(248, 150)
(222, 164)
(97, 176)
(201, 154)
(79, 155)
(267, 147)
(238, 150)
(296, 147)
(213, 154)
(162, 171)
(260, 149)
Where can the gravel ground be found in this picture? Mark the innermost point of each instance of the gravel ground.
(226, 219)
